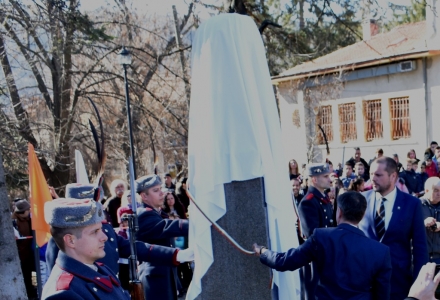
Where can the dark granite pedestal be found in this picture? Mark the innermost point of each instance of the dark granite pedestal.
(234, 275)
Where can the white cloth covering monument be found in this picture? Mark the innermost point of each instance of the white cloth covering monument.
(237, 173)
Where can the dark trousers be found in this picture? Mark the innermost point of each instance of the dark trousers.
(185, 274)
(309, 280)
(27, 266)
(124, 276)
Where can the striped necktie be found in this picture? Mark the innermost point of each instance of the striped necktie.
(379, 220)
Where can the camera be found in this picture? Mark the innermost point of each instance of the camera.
(128, 217)
(433, 227)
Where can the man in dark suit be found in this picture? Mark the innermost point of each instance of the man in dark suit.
(395, 219)
(350, 265)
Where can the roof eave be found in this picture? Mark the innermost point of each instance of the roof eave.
(369, 63)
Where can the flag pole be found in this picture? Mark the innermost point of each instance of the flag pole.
(37, 263)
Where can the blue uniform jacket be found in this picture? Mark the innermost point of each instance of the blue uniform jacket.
(350, 265)
(315, 211)
(158, 281)
(116, 246)
(71, 279)
(405, 236)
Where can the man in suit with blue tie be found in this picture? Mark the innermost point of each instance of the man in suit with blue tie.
(395, 219)
(350, 265)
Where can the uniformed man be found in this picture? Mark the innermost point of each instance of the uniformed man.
(116, 246)
(77, 230)
(158, 281)
(315, 211)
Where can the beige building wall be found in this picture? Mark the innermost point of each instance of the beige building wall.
(383, 88)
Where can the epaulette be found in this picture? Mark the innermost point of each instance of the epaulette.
(63, 282)
(148, 209)
(104, 222)
(310, 196)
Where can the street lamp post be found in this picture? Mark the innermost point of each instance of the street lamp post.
(124, 58)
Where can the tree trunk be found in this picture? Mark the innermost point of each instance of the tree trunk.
(11, 283)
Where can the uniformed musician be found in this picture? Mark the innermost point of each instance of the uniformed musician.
(117, 247)
(77, 230)
(158, 281)
(315, 211)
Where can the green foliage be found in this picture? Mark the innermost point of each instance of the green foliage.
(310, 28)
(403, 15)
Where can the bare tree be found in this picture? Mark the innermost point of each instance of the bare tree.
(11, 283)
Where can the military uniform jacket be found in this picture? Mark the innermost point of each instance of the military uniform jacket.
(158, 281)
(116, 246)
(71, 279)
(315, 211)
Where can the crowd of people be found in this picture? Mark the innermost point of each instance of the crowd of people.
(354, 174)
(381, 226)
(401, 211)
(165, 269)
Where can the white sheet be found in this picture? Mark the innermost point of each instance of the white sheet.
(234, 134)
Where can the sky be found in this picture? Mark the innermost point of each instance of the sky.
(164, 7)
(158, 7)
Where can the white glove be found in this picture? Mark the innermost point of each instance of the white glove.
(185, 255)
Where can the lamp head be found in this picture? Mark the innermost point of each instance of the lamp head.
(124, 57)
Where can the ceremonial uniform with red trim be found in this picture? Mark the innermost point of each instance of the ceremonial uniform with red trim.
(158, 281)
(116, 247)
(315, 211)
(71, 279)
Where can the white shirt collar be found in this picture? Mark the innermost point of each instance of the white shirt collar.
(391, 196)
(93, 266)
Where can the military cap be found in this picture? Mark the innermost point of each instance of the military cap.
(146, 182)
(68, 212)
(316, 169)
(80, 190)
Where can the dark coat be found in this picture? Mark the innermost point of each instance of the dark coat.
(433, 238)
(350, 265)
(112, 210)
(158, 281)
(405, 236)
(71, 279)
(315, 211)
(412, 181)
(116, 246)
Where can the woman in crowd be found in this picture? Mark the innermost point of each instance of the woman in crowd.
(357, 185)
(412, 155)
(175, 210)
(173, 207)
(117, 189)
(293, 170)
(181, 192)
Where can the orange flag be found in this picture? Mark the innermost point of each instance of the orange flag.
(39, 194)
